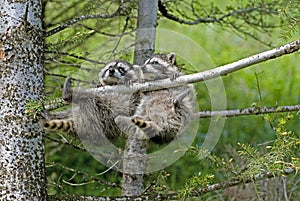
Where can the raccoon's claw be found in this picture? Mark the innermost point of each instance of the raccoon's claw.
(173, 76)
(127, 82)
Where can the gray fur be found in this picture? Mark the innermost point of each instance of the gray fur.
(164, 114)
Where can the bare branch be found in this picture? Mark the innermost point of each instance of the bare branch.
(237, 181)
(65, 142)
(78, 172)
(248, 111)
(254, 16)
(163, 10)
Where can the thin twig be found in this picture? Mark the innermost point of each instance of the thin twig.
(163, 10)
(75, 56)
(75, 171)
(66, 143)
(81, 18)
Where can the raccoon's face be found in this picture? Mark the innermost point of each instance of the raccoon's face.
(162, 59)
(113, 72)
(164, 65)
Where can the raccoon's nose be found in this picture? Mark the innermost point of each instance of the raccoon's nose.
(111, 72)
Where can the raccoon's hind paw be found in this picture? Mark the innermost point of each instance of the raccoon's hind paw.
(128, 128)
(149, 128)
(140, 122)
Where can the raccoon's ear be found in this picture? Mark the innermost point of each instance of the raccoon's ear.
(172, 57)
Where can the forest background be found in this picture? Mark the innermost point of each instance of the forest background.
(71, 171)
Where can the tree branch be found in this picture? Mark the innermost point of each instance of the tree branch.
(75, 56)
(205, 75)
(248, 111)
(164, 11)
(84, 174)
(82, 18)
(237, 181)
(195, 193)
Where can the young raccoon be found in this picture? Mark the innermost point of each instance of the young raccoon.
(157, 115)
(94, 114)
(164, 64)
(120, 72)
(161, 115)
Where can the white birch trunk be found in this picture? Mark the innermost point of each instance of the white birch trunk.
(22, 169)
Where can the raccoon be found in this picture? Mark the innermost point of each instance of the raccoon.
(94, 114)
(120, 72)
(163, 114)
(156, 115)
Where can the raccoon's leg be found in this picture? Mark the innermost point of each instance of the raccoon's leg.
(66, 99)
(57, 115)
(150, 128)
(139, 74)
(67, 90)
(179, 97)
(154, 132)
(138, 127)
(127, 127)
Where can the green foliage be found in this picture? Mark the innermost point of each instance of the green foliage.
(82, 49)
(277, 158)
(280, 158)
(292, 17)
(37, 107)
(195, 183)
(34, 108)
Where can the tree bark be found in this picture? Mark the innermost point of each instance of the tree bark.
(145, 34)
(22, 168)
(135, 158)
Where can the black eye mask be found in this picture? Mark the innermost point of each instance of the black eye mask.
(154, 62)
(121, 71)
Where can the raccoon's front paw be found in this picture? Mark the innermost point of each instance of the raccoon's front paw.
(173, 76)
(126, 81)
(180, 96)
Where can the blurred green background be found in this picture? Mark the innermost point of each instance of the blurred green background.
(276, 80)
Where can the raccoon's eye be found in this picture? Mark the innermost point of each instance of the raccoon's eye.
(154, 62)
(121, 70)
